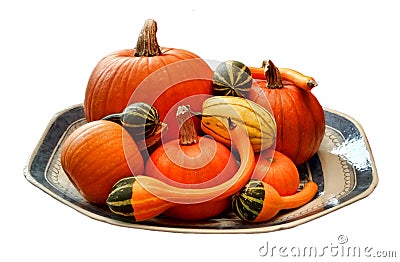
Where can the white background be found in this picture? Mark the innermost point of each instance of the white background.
(49, 48)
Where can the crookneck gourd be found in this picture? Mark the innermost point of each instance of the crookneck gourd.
(258, 201)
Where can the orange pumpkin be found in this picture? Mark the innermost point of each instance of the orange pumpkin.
(191, 161)
(160, 76)
(95, 155)
(145, 197)
(277, 170)
(299, 117)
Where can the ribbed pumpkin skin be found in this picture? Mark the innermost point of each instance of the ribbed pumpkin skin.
(277, 170)
(192, 165)
(118, 80)
(299, 118)
(95, 155)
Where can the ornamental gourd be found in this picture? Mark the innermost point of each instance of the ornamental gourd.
(95, 156)
(129, 198)
(257, 121)
(162, 77)
(232, 78)
(258, 201)
(299, 117)
(143, 123)
(140, 119)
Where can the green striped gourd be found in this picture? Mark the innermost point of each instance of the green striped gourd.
(258, 122)
(232, 78)
(119, 199)
(258, 201)
(140, 119)
(130, 199)
(248, 203)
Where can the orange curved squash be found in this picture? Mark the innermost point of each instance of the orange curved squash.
(94, 158)
(302, 81)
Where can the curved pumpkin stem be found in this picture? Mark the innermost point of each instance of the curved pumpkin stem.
(272, 74)
(147, 44)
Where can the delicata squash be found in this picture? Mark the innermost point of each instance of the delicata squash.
(258, 122)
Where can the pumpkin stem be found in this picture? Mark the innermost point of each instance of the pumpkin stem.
(272, 74)
(147, 44)
(187, 130)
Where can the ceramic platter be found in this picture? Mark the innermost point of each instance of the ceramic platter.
(343, 168)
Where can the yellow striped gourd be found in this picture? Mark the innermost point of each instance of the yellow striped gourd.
(258, 122)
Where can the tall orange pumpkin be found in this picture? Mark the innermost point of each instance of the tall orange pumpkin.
(160, 76)
(95, 156)
(299, 117)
